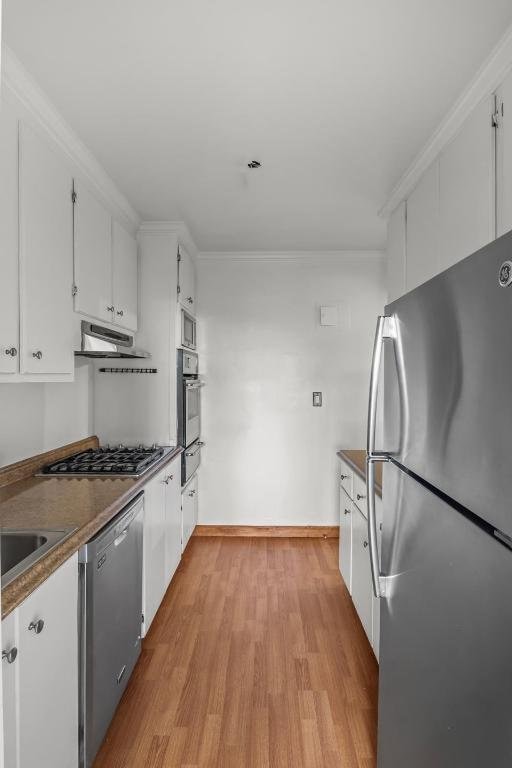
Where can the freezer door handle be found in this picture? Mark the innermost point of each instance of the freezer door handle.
(386, 329)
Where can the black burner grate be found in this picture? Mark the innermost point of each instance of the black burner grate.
(106, 461)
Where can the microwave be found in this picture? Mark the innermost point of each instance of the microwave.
(188, 330)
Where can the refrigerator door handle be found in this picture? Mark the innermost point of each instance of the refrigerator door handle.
(386, 329)
(379, 581)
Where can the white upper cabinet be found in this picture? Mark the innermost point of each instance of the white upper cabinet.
(423, 229)
(105, 257)
(504, 156)
(92, 247)
(396, 253)
(9, 288)
(46, 267)
(466, 188)
(186, 280)
(124, 271)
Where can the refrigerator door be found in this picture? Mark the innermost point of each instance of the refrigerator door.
(448, 383)
(445, 689)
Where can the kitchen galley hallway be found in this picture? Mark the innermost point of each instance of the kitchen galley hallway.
(256, 658)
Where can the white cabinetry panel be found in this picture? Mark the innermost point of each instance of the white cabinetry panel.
(423, 229)
(189, 510)
(154, 547)
(395, 252)
(173, 519)
(466, 184)
(361, 573)
(46, 247)
(345, 546)
(41, 684)
(187, 281)
(92, 247)
(124, 270)
(9, 287)
(504, 157)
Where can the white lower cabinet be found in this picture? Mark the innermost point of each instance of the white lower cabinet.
(346, 514)
(188, 510)
(361, 572)
(354, 552)
(162, 537)
(41, 682)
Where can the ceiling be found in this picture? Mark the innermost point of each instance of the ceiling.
(334, 97)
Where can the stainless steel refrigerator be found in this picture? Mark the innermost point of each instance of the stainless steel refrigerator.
(442, 565)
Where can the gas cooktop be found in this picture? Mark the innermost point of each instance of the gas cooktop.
(120, 461)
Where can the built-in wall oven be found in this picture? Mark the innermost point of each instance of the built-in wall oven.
(188, 330)
(189, 411)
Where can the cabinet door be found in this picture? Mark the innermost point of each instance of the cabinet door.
(9, 286)
(395, 252)
(189, 510)
(48, 672)
(154, 583)
(423, 229)
(361, 573)
(173, 519)
(346, 479)
(186, 281)
(346, 513)
(504, 157)
(46, 258)
(10, 692)
(466, 188)
(92, 255)
(124, 268)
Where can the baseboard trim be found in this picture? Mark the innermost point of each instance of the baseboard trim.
(270, 531)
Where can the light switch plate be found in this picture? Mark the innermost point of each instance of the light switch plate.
(317, 399)
(329, 315)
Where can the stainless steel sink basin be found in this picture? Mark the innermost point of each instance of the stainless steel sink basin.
(20, 549)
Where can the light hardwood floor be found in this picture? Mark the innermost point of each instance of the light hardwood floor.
(256, 659)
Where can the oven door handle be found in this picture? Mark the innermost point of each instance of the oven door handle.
(194, 384)
(189, 454)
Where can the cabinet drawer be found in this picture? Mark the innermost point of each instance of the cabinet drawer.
(359, 496)
(345, 545)
(346, 477)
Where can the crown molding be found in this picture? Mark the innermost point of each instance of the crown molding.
(21, 84)
(178, 228)
(313, 256)
(487, 79)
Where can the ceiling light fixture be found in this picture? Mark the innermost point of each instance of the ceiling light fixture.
(254, 164)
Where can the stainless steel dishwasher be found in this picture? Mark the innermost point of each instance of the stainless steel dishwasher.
(110, 622)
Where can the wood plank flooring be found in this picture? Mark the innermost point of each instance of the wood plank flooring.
(256, 659)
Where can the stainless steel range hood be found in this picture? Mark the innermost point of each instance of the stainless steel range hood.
(99, 342)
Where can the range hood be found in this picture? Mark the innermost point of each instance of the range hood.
(99, 342)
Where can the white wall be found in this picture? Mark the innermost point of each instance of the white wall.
(38, 417)
(270, 456)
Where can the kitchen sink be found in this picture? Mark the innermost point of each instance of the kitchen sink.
(20, 549)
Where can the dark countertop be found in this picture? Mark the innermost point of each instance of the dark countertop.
(84, 503)
(357, 460)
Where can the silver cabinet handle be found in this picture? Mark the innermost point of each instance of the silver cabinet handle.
(120, 312)
(360, 496)
(37, 354)
(343, 477)
(110, 309)
(166, 479)
(12, 351)
(191, 493)
(10, 655)
(36, 626)
(190, 299)
(365, 544)
(346, 511)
